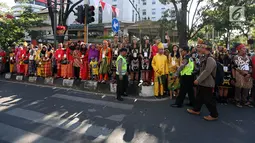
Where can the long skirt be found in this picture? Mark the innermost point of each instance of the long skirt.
(84, 70)
(32, 67)
(21, 68)
(12, 68)
(67, 70)
(26, 69)
(59, 69)
(103, 67)
(46, 69)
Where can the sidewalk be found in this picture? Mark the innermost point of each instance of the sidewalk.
(91, 87)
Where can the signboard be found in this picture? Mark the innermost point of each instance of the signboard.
(115, 25)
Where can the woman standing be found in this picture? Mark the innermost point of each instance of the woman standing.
(225, 60)
(173, 65)
(32, 63)
(84, 70)
(77, 61)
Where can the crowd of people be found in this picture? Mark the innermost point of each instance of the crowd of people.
(174, 71)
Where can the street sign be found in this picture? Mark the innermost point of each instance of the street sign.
(115, 25)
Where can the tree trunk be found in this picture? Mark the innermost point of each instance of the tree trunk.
(182, 25)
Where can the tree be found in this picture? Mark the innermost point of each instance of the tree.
(166, 23)
(14, 29)
(66, 7)
(198, 20)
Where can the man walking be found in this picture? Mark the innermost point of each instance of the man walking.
(121, 72)
(185, 72)
(206, 83)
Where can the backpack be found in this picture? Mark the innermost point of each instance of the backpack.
(219, 74)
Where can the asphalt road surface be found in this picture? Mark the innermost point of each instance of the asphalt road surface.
(36, 114)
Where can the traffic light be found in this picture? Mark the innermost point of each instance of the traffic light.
(89, 10)
(80, 14)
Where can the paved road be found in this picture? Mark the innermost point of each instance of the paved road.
(51, 115)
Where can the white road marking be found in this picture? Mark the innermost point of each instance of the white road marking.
(96, 102)
(54, 120)
(16, 135)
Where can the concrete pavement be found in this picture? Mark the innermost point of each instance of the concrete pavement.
(51, 115)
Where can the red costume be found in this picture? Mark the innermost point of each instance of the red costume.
(84, 70)
(2, 60)
(22, 58)
(59, 55)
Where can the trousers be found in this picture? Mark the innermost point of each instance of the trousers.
(122, 85)
(186, 86)
(205, 96)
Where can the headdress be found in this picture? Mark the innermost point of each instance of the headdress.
(146, 37)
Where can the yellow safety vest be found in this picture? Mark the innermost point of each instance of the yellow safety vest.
(188, 69)
(124, 65)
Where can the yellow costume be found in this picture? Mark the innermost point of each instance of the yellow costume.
(173, 64)
(94, 66)
(38, 61)
(12, 61)
(159, 64)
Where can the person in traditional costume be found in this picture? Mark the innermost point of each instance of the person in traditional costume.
(145, 55)
(115, 53)
(154, 51)
(32, 62)
(44, 60)
(104, 60)
(70, 50)
(2, 60)
(134, 61)
(242, 70)
(12, 60)
(174, 60)
(17, 55)
(77, 61)
(22, 58)
(38, 60)
(58, 57)
(84, 70)
(159, 64)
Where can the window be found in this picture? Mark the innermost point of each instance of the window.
(133, 17)
(172, 13)
(153, 18)
(144, 11)
(163, 10)
(153, 1)
(113, 13)
(138, 1)
(100, 15)
(114, 0)
(153, 11)
(144, 2)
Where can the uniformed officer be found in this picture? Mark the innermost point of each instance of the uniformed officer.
(121, 72)
(186, 78)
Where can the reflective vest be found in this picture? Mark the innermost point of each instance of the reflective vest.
(124, 65)
(188, 69)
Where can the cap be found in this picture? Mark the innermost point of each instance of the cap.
(123, 50)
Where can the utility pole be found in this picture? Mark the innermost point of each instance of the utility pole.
(55, 24)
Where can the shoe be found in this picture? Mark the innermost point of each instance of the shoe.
(120, 98)
(158, 97)
(210, 118)
(125, 94)
(239, 105)
(193, 112)
(176, 106)
(248, 104)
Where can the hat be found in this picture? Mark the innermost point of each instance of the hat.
(146, 37)
(134, 38)
(160, 46)
(123, 50)
(185, 48)
(157, 38)
(239, 46)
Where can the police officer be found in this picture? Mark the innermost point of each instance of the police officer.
(185, 72)
(121, 72)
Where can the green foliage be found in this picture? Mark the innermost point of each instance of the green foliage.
(14, 29)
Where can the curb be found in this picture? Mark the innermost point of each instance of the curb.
(76, 86)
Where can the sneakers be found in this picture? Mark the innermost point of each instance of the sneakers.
(210, 118)
(239, 105)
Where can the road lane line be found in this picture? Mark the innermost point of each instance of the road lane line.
(16, 135)
(96, 102)
(54, 120)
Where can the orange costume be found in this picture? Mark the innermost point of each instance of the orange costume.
(104, 59)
